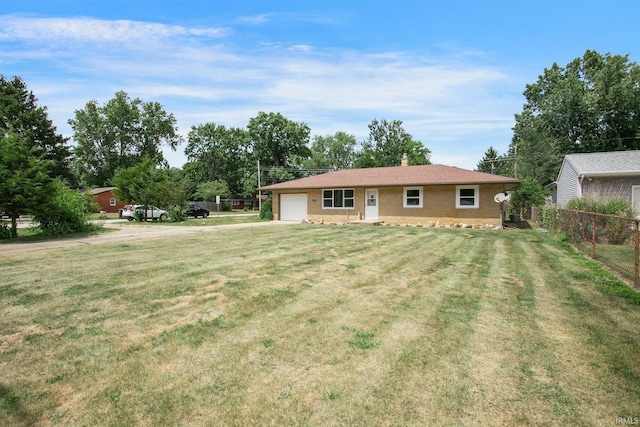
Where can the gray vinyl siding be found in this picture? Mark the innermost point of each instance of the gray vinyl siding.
(609, 188)
(567, 183)
(601, 175)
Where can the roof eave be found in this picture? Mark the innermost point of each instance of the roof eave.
(610, 174)
(374, 185)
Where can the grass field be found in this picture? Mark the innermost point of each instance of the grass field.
(317, 326)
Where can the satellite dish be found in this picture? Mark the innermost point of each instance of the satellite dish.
(499, 198)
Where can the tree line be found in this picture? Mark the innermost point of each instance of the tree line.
(591, 104)
(121, 142)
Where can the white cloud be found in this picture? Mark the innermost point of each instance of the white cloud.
(88, 30)
(442, 101)
(301, 48)
(255, 19)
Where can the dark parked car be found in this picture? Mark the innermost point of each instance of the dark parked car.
(196, 211)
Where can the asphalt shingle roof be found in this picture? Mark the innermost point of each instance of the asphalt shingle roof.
(606, 163)
(396, 176)
(101, 190)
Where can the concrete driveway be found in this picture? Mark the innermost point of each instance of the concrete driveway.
(123, 233)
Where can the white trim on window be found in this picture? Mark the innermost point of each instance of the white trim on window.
(338, 198)
(412, 197)
(112, 201)
(467, 197)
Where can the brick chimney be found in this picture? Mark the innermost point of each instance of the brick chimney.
(405, 160)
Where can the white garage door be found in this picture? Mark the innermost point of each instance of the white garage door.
(293, 207)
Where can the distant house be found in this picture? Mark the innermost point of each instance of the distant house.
(106, 199)
(405, 194)
(614, 174)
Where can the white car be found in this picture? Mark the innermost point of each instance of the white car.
(153, 213)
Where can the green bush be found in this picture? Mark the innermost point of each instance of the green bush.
(550, 217)
(138, 215)
(530, 193)
(5, 231)
(66, 212)
(177, 213)
(615, 230)
(266, 211)
(617, 207)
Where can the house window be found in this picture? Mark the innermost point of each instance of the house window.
(412, 197)
(338, 198)
(467, 197)
(112, 201)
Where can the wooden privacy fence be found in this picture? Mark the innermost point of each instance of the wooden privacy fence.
(613, 241)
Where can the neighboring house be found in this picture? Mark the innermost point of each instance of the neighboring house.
(106, 199)
(426, 194)
(614, 174)
(242, 203)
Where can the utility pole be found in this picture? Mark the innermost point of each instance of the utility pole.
(515, 166)
(259, 191)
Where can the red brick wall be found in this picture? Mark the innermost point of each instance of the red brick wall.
(103, 199)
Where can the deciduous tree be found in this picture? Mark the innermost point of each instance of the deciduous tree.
(530, 193)
(590, 105)
(276, 139)
(146, 184)
(332, 152)
(119, 135)
(215, 152)
(207, 191)
(388, 142)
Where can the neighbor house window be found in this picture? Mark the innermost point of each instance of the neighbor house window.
(112, 201)
(467, 197)
(338, 199)
(412, 197)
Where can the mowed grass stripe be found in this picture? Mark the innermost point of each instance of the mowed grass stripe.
(516, 357)
(431, 371)
(345, 375)
(595, 340)
(315, 325)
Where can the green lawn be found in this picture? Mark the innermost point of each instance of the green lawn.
(317, 326)
(212, 220)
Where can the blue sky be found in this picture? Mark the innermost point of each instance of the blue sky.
(453, 71)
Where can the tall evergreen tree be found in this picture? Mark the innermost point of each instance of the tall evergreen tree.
(495, 164)
(25, 181)
(21, 114)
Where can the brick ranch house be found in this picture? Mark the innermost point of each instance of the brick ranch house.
(107, 201)
(430, 195)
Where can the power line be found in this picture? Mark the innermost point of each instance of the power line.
(283, 169)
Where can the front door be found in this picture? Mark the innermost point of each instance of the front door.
(371, 204)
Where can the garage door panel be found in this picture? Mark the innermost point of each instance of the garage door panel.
(293, 207)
